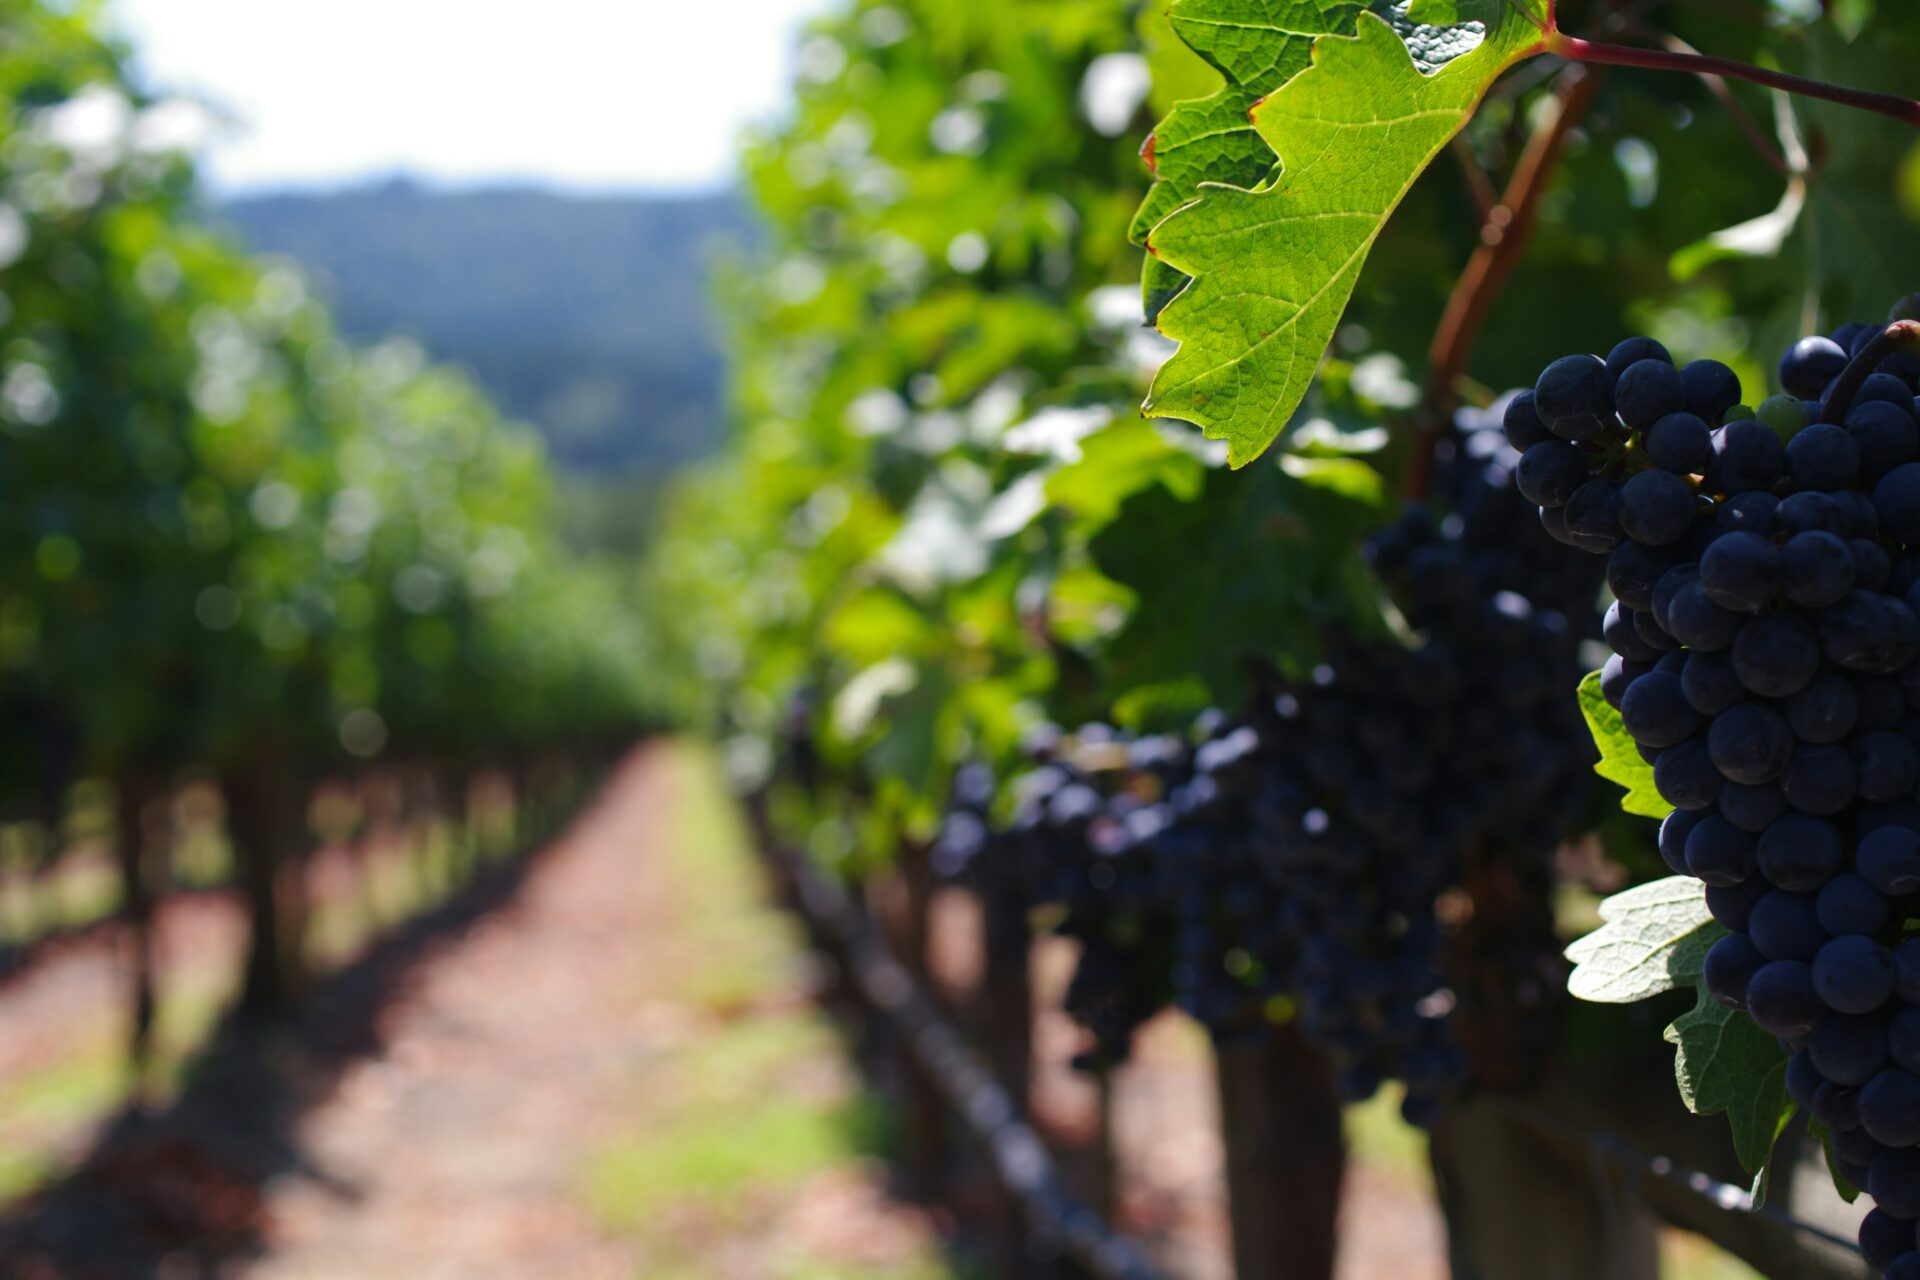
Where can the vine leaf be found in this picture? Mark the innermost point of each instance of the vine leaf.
(1620, 761)
(1655, 938)
(1819, 1133)
(1725, 1063)
(1274, 267)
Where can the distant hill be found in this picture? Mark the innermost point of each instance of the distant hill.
(586, 315)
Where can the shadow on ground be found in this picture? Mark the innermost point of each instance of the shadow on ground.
(179, 1192)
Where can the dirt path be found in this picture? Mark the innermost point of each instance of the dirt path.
(620, 1075)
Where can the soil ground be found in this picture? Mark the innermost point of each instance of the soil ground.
(618, 1068)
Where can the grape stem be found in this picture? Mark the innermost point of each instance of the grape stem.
(1574, 49)
(1504, 234)
(1901, 335)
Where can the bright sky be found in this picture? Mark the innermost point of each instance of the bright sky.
(596, 93)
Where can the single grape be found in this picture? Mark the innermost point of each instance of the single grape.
(1887, 765)
(1674, 830)
(1849, 1049)
(1751, 743)
(1710, 683)
(1799, 852)
(1776, 654)
(1718, 853)
(1711, 389)
(1655, 508)
(1522, 425)
(1889, 860)
(1893, 1180)
(1574, 397)
(1730, 967)
(1751, 808)
(1809, 365)
(1884, 1237)
(1746, 456)
(1890, 1108)
(1825, 711)
(1816, 569)
(1869, 632)
(1697, 621)
(1786, 926)
(1680, 443)
(1731, 905)
(1656, 713)
(1853, 974)
(1648, 391)
(1823, 457)
(1593, 513)
(1634, 568)
(1884, 434)
(1897, 500)
(1778, 995)
(1740, 571)
(1631, 351)
(1550, 472)
(1819, 779)
(1785, 416)
(1685, 775)
(1848, 904)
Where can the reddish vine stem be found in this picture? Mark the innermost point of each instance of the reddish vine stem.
(1503, 241)
(1716, 84)
(1479, 185)
(1574, 49)
(1901, 335)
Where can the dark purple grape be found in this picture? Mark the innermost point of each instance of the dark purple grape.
(1848, 904)
(1890, 1110)
(1656, 713)
(1816, 568)
(1521, 424)
(1799, 852)
(1680, 444)
(1647, 391)
(1655, 508)
(1776, 655)
(1549, 472)
(1751, 743)
(1741, 571)
(1778, 995)
(1574, 397)
(1853, 974)
(1731, 964)
(1711, 388)
(1809, 365)
(1889, 860)
(1631, 351)
(1786, 926)
(1849, 1049)
(1825, 711)
(1823, 457)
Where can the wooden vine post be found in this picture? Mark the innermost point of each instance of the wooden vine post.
(267, 817)
(1285, 1154)
(140, 838)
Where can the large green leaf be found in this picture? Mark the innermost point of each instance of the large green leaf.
(1620, 760)
(1725, 1063)
(1655, 938)
(1273, 268)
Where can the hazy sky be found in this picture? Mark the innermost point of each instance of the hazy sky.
(608, 93)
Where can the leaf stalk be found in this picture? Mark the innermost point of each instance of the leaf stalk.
(1574, 49)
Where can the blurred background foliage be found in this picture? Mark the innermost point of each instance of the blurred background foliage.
(227, 531)
(940, 520)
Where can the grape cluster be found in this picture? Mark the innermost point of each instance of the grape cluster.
(1299, 850)
(1140, 843)
(1765, 566)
